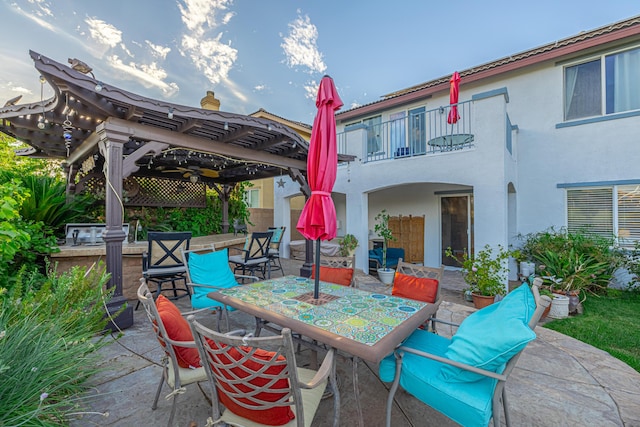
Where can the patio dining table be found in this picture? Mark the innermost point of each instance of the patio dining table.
(362, 324)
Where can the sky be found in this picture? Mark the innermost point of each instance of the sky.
(271, 54)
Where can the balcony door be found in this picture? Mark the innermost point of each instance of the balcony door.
(417, 131)
(457, 226)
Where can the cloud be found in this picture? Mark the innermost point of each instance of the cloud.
(18, 89)
(40, 11)
(104, 33)
(157, 50)
(300, 46)
(150, 75)
(311, 90)
(209, 54)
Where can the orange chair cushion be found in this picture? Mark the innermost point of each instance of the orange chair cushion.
(417, 288)
(178, 330)
(273, 416)
(337, 275)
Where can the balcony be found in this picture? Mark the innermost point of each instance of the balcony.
(415, 134)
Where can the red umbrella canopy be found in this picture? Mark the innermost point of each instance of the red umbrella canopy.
(318, 218)
(454, 84)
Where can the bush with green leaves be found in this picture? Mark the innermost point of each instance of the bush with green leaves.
(49, 337)
(200, 221)
(484, 272)
(583, 260)
(14, 238)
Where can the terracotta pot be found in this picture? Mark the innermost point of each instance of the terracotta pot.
(481, 301)
(546, 311)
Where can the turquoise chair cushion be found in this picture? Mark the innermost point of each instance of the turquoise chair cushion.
(210, 269)
(468, 404)
(488, 338)
(277, 234)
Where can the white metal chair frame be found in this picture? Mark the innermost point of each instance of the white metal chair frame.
(220, 365)
(424, 272)
(175, 376)
(499, 394)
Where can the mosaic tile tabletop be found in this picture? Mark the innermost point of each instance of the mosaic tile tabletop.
(359, 315)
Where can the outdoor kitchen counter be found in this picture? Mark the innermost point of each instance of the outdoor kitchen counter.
(219, 240)
(87, 255)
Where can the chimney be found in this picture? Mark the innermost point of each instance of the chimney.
(210, 102)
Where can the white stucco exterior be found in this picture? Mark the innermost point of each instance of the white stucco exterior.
(518, 191)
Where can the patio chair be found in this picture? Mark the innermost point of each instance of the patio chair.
(162, 262)
(420, 283)
(258, 381)
(176, 340)
(464, 377)
(274, 248)
(255, 255)
(208, 271)
(338, 269)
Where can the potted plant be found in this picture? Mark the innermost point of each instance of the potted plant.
(382, 229)
(484, 273)
(348, 245)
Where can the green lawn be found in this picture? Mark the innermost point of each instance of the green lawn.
(610, 323)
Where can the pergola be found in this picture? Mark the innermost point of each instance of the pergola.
(101, 131)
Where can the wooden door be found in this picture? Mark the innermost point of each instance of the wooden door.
(409, 234)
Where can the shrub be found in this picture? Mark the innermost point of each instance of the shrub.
(48, 345)
(583, 260)
(484, 273)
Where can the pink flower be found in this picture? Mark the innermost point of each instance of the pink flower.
(474, 268)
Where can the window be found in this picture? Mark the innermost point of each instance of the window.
(606, 211)
(252, 198)
(584, 85)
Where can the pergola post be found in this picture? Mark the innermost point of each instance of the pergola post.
(111, 146)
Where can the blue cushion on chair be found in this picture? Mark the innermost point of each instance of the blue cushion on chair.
(211, 269)
(488, 338)
(468, 404)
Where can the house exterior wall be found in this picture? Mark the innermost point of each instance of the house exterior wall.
(514, 192)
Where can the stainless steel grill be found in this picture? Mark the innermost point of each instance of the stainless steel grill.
(88, 234)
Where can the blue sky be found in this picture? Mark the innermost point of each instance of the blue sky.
(272, 54)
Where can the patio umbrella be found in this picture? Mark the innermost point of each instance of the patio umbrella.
(318, 218)
(454, 84)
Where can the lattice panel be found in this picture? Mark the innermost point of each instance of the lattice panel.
(146, 191)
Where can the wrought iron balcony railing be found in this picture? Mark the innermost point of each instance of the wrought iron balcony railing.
(416, 133)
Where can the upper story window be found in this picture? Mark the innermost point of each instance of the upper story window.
(610, 84)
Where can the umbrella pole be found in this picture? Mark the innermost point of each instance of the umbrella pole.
(316, 285)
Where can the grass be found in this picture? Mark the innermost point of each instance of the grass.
(610, 323)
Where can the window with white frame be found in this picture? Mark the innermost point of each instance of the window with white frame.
(609, 83)
(606, 211)
(252, 198)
